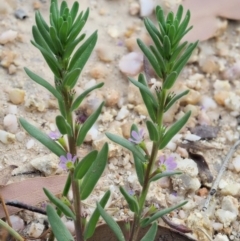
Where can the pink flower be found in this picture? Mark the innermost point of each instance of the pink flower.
(167, 164)
(137, 137)
(55, 135)
(67, 162)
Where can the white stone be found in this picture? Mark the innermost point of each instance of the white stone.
(30, 144)
(146, 7)
(113, 31)
(6, 137)
(233, 102)
(35, 229)
(93, 133)
(134, 8)
(192, 137)
(8, 36)
(171, 146)
(70, 226)
(12, 109)
(221, 237)
(225, 217)
(123, 113)
(222, 85)
(10, 123)
(217, 226)
(104, 54)
(17, 222)
(230, 203)
(208, 103)
(89, 84)
(20, 136)
(131, 63)
(236, 163)
(187, 166)
(48, 164)
(231, 188)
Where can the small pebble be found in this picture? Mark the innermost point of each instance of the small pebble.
(12, 109)
(113, 31)
(147, 7)
(17, 222)
(98, 71)
(36, 5)
(104, 54)
(225, 217)
(123, 113)
(8, 36)
(131, 64)
(30, 144)
(134, 8)
(221, 237)
(20, 136)
(10, 123)
(6, 137)
(16, 96)
(35, 230)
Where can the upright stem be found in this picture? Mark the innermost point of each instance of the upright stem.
(142, 199)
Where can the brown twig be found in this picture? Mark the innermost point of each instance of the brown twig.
(5, 210)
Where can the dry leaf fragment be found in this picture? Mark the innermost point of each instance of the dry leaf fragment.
(205, 17)
(30, 191)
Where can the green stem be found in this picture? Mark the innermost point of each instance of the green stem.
(142, 199)
(11, 231)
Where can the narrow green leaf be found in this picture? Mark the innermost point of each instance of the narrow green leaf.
(62, 108)
(55, 39)
(127, 144)
(132, 203)
(164, 174)
(154, 30)
(43, 83)
(54, 14)
(154, 35)
(71, 77)
(174, 99)
(162, 213)
(166, 46)
(63, 7)
(81, 97)
(151, 58)
(59, 229)
(94, 173)
(183, 26)
(88, 124)
(91, 225)
(59, 204)
(111, 223)
(44, 32)
(74, 10)
(139, 169)
(160, 60)
(42, 137)
(63, 32)
(77, 26)
(174, 129)
(81, 56)
(63, 126)
(160, 16)
(39, 39)
(170, 80)
(50, 59)
(43, 22)
(145, 89)
(147, 101)
(177, 51)
(152, 130)
(170, 18)
(181, 62)
(84, 165)
(171, 34)
(69, 48)
(151, 233)
(179, 13)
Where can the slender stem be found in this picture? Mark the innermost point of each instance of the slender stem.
(5, 210)
(137, 217)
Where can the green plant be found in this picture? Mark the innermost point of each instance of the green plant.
(167, 56)
(59, 45)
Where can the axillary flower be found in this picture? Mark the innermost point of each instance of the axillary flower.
(67, 162)
(167, 164)
(137, 137)
(55, 135)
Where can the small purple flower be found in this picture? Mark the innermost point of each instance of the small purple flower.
(55, 135)
(167, 164)
(67, 162)
(137, 137)
(131, 192)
